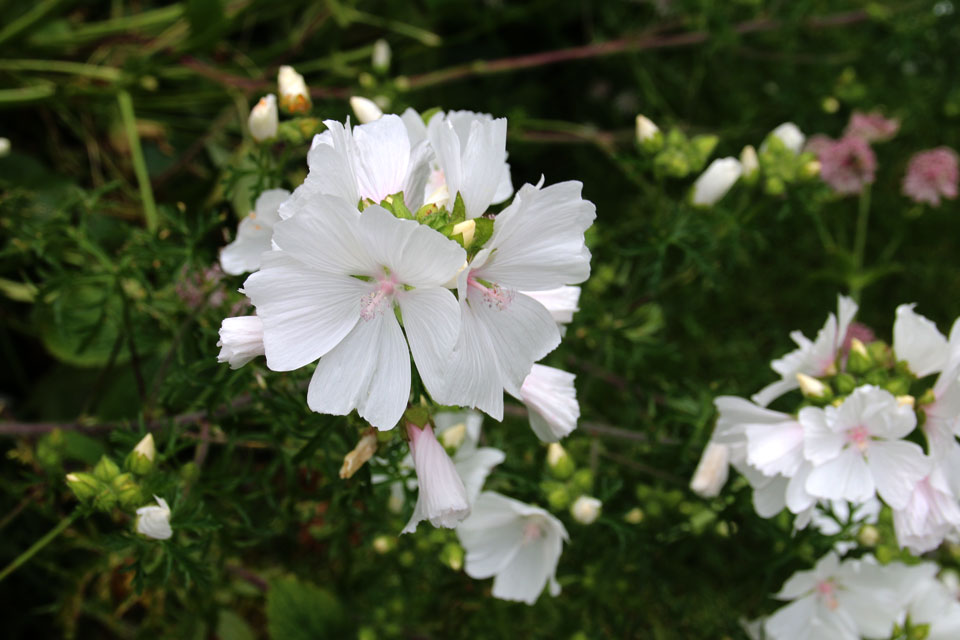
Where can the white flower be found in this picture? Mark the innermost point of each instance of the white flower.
(294, 95)
(473, 463)
(264, 119)
(154, 521)
(537, 244)
(313, 307)
(518, 544)
(551, 401)
(856, 449)
(749, 161)
(712, 471)
(790, 135)
(815, 358)
(254, 234)
(714, 183)
(586, 509)
(645, 129)
(836, 602)
(365, 109)
(471, 152)
(929, 515)
(241, 340)
(368, 162)
(933, 604)
(560, 302)
(442, 498)
(917, 340)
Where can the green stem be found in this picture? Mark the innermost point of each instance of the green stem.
(139, 165)
(860, 243)
(26, 20)
(62, 66)
(22, 559)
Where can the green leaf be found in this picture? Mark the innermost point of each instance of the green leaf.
(459, 210)
(482, 233)
(299, 610)
(232, 626)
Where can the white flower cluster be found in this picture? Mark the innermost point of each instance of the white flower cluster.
(389, 251)
(861, 598)
(856, 438)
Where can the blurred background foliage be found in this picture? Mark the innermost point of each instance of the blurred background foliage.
(130, 167)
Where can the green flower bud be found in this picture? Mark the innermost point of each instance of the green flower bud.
(634, 516)
(558, 497)
(649, 136)
(452, 556)
(701, 147)
(105, 500)
(877, 377)
(774, 186)
(845, 383)
(928, 397)
(672, 162)
(140, 460)
(127, 490)
(560, 463)
(859, 361)
(83, 485)
(582, 481)
(881, 354)
(897, 386)
(869, 536)
(106, 470)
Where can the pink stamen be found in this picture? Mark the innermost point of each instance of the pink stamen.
(827, 591)
(379, 299)
(860, 437)
(494, 296)
(531, 531)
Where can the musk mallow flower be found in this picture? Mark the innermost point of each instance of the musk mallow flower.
(241, 340)
(551, 401)
(714, 183)
(537, 244)
(857, 449)
(328, 290)
(369, 162)
(264, 119)
(931, 513)
(933, 604)
(253, 234)
(517, 544)
(153, 521)
(814, 358)
(441, 496)
(932, 175)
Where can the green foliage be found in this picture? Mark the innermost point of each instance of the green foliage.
(299, 610)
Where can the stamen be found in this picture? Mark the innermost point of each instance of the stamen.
(827, 590)
(381, 298)
(532, 531)
(494, 295)
(860, 437)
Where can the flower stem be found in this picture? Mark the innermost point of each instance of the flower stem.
(860, 243)
(139, 164)
(38, 545)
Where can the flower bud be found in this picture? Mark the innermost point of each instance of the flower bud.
(749, 163)
(264, 119)
(452, 437)
(380, 59)
(702, 146)
(928, 397)
(845, 383)
(649, 136)
(586, 509)
(452, 556)
(634, 516)
(810, 169)
(881, 354)
(241, 340)
(582, 481)
(83, 485)
(906, 401)
(127, 490)
(712, 471)
(869, 536)
(360, 454)
(789, 135)
(898, 386)
(559, 461)
(365, 109)
(714, 183)
(558, 497)
(294, 95)
(384, 544)
(813, 388)
(105, 500)
(4, 147)
(140, 460)
(672, 162)
(774, 186)
(467, 228)
(106, 470)
(153, 521)
(858, 360)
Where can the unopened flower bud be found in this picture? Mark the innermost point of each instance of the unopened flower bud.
(467, 228)
(452, 437)
(360, 454)
(869, 536)
(264, 119)
(634, 516)
(560, 463)
(899, 386)
(702, 146)
(774, 186)
(845, 383)
(140, 460)
(558, 497)
(858, 360)
(83, 485)
(384, 544)
(380, 59)
(749, 163)
(928, 397)
(789, 135)
(810, 169)
(881, 354)
(105, 500)
(294, 95)
(582, 481)
(906, 401)
(127, 490)
(586, 509)
(813, 388)
(714, 183)
(106, 470)
(365, 109)
(452, 556)
(649, 136)
(712, 471)
(4, 147)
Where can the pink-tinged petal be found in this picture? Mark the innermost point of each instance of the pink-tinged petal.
(305, 313)
(368, 371)
(441, 498)
(431, 318)
(897, 467)
(846, 477)
(551, 401)
(918, 341)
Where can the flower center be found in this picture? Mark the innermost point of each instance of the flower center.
(531, 532)
(860, 437)
(827, 590)
(380, 299)
(493, 295)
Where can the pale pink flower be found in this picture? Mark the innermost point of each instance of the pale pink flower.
(932, 174)
(442, 498)
(847, 164)
(872, 127)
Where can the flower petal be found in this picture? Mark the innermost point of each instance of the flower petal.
(323, 233)
(846, 477)
(897, 467)
(431, 318)
(917, 340)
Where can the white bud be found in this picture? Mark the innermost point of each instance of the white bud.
(241, 340)
(146, 448)
(264, 119)
(790, 135)
(381, 55)
(467, 228)
(586, 509)
(646, 129)
(366, 447)
(711, 473)
(906, 401)
(748, 161)
(365, 109)
(294, 95)
(555, 454)
(811, 387)
(4, 147)
(453, 437)
(154, 521)
(714, 183)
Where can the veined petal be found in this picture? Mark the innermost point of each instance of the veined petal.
(431, 318)
(323, 233)
(474, 468)
(446, 146)
(917, 340)
(846, 477)
(442, 498)
(505, 186)
(383, 157)
(416, 129)
(560, 302)
(525, 577)
(305, 313)
(331, 164)
(243, 254)
(775, 449)
(482, 164)
(897, 467)
(551, 401)
(537, 242)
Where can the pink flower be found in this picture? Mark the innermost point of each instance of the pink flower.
(932, 174)
(847, 164)
(871, 127)
(442, 498)
(861, 332)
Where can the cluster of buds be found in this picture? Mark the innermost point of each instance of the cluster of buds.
(264, 121)
(569, 487)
